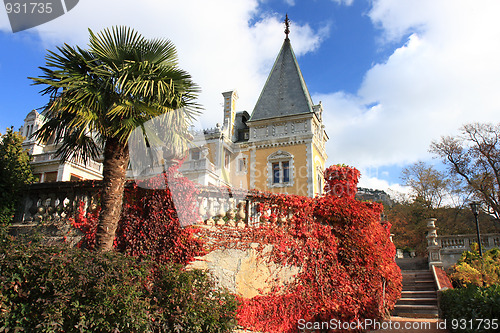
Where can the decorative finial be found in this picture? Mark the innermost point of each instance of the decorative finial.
(287, 26)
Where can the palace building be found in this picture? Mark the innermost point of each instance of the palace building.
(280, 147)
(47, 167)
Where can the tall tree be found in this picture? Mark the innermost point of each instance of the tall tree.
(98, 96)
(427, 183)
(15, 172)
(474, 156)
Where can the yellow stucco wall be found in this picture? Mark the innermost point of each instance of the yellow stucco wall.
(299, 174)
(211, 152)
(319, 163)
(240, 178)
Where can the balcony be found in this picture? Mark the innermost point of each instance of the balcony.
(51, 157)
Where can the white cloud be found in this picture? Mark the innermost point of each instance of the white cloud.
(393, 189)
(443, 71)
(345, 2)
(447, 73)
(223, 44)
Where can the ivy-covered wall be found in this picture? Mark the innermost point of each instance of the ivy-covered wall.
(312, 259)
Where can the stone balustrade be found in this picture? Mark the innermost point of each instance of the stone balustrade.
(444, 251)
(198, 165)
(55, 201)
(463, 242)
(217, 206)
(236, 208)
(52, 156)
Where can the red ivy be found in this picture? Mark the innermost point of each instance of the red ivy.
(341, 181)
(149, 226)
(343, 249)
(348, 271)
(86, 221)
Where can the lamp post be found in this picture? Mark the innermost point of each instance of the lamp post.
(474, 206)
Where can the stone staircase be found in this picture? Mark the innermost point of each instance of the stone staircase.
(418, 297)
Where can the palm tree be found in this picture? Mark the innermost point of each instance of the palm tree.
(100, 95)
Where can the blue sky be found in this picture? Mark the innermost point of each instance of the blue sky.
(392, 75)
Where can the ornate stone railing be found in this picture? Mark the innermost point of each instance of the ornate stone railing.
(446, 250)
(52, 204)
(220, 206)
(463, 242)
(57, 200)
(199, 165)
(236, 208)
(215, 205)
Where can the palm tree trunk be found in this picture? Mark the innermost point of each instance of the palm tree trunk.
(116, 158)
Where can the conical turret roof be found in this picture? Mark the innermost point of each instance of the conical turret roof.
(285, 92)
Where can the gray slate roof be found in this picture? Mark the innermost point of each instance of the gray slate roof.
(285, 92)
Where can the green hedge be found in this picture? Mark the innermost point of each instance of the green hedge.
(61, 289)
(472, 309)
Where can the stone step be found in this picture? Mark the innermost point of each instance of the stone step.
(424, 280)
(416, 311)
(417, 301)
(419, 294)
(419, 287)
(413, 264)
(415, 307)
(418, 277)
(423, 315)
(429, 285)
(421, 276)
(414, 272)
(418, 280)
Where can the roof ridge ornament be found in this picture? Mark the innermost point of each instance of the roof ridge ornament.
(287, 26)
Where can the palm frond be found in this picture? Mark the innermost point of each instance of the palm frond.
(118, 84)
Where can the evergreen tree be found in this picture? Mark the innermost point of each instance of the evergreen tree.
(15, 173)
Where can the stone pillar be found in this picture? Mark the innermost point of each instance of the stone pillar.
(433, 247)
(491, 242)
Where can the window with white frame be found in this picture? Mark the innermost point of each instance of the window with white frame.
(280, 169)
(281, 172)
(227, 158)
(319, 180)
(242, 164)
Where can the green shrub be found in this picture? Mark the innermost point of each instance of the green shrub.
(15, 173)
(191, 301)
(5, 238)
(55, 289)
(467, 306)
(60, 289)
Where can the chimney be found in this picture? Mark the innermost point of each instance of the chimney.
(230, 98)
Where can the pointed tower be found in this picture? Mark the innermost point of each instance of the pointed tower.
(287, 137)
(285, 92)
